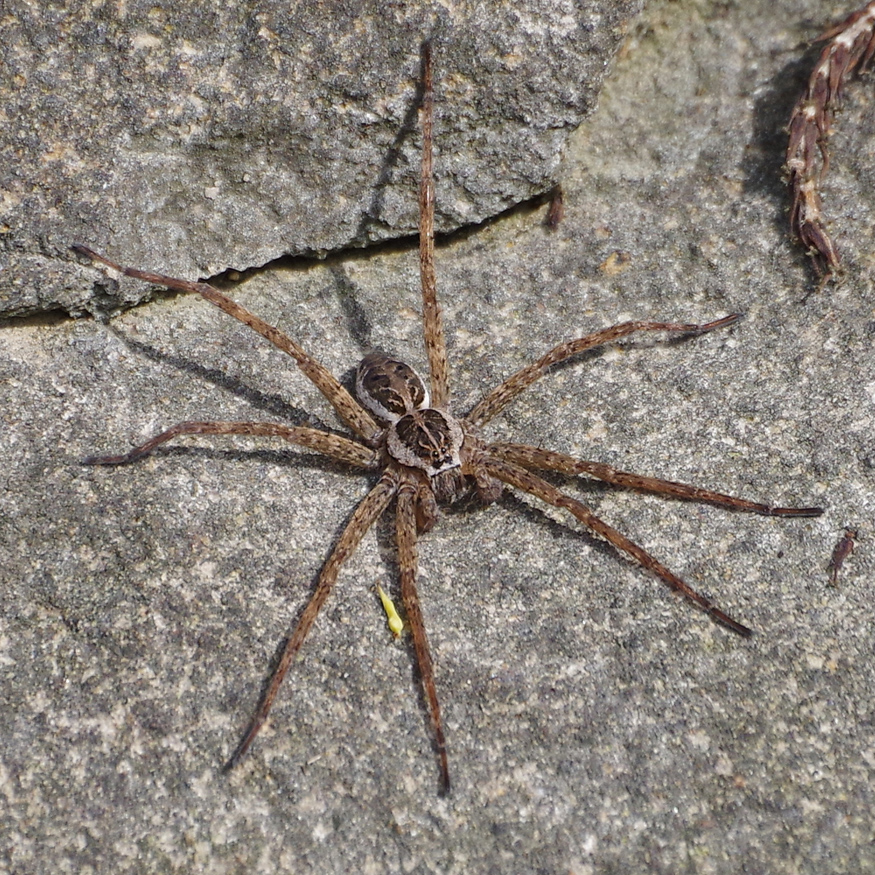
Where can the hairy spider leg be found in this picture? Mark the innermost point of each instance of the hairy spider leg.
(365, 515)
(405, 523)
(502, 395)
(519, 477)
(433, 327)
(336, 446)
(349, 410)
(547, 460)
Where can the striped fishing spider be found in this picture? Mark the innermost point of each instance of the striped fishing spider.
(422, 455)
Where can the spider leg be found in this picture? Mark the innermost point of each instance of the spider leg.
(407, 561)
(431, 312)
(534, 457)
(364, 516)
(499, 397)
(519, 477)
(349, 410)
(336, 446)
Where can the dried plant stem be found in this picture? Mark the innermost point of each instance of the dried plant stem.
(850, 45)
(842, 550)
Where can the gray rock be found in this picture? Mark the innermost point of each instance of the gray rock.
(226, 135)
(595, 723)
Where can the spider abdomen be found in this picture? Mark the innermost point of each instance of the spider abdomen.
(389, 387)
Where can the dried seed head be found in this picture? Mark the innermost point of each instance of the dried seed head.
(850, 46)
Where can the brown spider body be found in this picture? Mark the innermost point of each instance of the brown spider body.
(425, 456)
(423, 439)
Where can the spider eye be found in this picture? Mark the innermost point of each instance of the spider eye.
(389, 388)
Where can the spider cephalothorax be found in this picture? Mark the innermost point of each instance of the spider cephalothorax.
(423, 456)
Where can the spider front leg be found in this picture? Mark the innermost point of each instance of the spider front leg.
(433, 327)
(366, 514)
(335, 446)
(406, 527)
(502, 395)
(547, 460)
(349, 410)
(519, 477)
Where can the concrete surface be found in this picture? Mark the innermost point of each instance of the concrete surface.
(596, 724)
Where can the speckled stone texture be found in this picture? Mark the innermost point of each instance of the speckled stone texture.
(212, 136)
(596, 724)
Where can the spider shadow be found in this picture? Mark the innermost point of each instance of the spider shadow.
(294, 460)
(566, 529)
(359, 324)
(392, 158)
(270, 403)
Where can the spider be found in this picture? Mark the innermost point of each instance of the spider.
(422, 455)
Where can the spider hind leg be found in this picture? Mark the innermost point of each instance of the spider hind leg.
(365, 515)
(520, 478)
(548, 460)
(408, 561)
